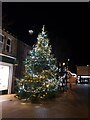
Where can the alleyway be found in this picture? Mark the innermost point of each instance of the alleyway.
(71, 104)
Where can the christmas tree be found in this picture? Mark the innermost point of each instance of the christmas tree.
(40, 77)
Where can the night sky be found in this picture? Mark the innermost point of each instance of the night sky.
(66, 25)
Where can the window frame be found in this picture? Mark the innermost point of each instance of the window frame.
(9, 45)
(2, 41)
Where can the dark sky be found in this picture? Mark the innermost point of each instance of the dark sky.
(66, 24)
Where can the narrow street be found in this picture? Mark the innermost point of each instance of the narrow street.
(71, 104)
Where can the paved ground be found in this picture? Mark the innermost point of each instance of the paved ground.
(71, 104)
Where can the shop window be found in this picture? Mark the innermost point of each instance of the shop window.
(4, 75)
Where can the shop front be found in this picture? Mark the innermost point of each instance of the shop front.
(6, 74)
(83, 73)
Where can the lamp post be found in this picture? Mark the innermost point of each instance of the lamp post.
(31, 33)
(67, 69)
(67, 63)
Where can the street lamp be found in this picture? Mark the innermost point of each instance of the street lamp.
(67, 63)
(63, 64)
(67, 69)
(31, 33)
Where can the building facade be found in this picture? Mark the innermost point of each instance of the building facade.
(12, 54)
(83, 73)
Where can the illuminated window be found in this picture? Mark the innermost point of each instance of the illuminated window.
(8, 45)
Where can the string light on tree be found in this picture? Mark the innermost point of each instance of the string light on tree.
(40, 71)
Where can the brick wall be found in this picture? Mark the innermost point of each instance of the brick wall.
(22, 50)
(83, 70)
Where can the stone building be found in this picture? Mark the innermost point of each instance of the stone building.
(12, 54)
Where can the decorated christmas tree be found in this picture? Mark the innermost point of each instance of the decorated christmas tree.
(40, 77)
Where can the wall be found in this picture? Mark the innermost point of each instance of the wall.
(83, 70)
(17, 54)
(22, 50)
(7, 35)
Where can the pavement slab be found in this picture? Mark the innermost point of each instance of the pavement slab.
(71, 104)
